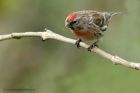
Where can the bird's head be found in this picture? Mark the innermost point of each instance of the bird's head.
(71, 21)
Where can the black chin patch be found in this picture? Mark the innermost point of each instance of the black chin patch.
(71, 24)
(71, 27)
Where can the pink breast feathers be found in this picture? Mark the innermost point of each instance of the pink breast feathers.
(88, 35)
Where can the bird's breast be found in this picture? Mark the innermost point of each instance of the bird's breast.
(87, 35)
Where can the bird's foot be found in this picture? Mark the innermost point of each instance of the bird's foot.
(77, 43)
(93, 46)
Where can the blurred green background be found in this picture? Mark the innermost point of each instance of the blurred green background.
(57, 67)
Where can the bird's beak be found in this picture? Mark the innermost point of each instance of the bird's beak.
(67, 24)
(70, 24)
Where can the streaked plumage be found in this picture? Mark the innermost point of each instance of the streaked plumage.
(88, 24)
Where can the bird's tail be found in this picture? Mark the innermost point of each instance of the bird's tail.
(114, 13)
(108, 15)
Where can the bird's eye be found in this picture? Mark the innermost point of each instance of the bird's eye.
(73, 22)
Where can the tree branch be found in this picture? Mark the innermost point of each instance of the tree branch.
(48, 34)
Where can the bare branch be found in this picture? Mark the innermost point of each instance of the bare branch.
(48, 34)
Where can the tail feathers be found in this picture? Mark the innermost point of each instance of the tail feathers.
(115, 13)
(108, 15)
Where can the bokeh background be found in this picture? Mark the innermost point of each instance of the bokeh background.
(29, 65)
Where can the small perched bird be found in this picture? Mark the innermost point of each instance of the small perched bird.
(88, 25)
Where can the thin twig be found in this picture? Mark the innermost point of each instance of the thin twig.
(48, 34)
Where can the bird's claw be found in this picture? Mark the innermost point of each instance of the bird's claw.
(77, 43)
(93, 46)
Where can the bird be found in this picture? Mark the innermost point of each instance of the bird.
(88, 25)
